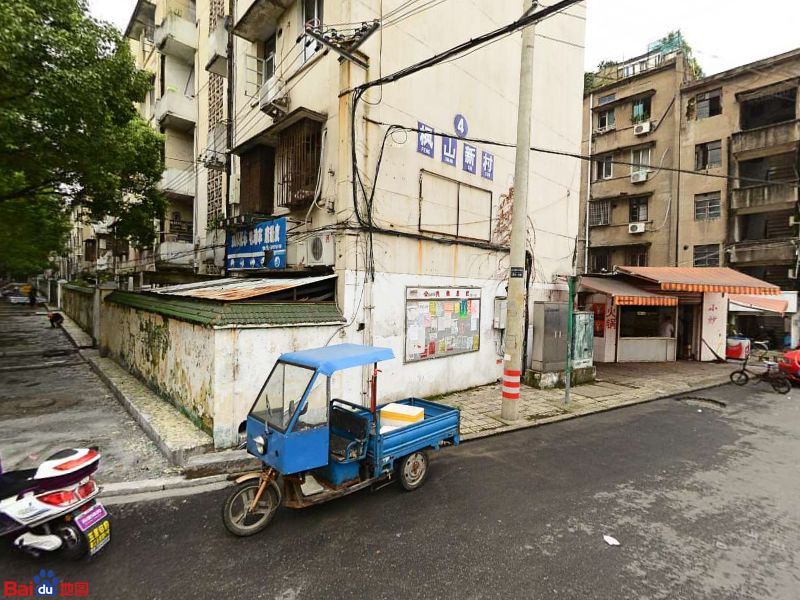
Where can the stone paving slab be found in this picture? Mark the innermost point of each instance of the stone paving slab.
(617, 386)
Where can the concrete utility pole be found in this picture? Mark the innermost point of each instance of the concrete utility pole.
(512, 363)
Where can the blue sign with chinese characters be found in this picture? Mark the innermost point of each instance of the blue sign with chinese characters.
(425, 139)
(449, 150)
(487, 165)
(259, 246)
(461, 126)
(470, 160)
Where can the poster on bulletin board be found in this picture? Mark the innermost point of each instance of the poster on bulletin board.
(442, 322)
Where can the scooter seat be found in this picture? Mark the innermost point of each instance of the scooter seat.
(13, 482)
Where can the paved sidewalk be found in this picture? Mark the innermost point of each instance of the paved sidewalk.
(617, 385)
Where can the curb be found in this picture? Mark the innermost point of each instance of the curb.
(566, 417)
(146, 486)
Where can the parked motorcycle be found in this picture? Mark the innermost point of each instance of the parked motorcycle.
(53, 507)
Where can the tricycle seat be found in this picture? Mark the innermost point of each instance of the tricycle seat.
(349, 434)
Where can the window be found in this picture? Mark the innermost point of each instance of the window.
(269, 58)
(604, 167)
(257, 181)
(606, 99)
(709, 104)
(707, 206)
(636, 256)
(706, 255)
(162, 75)
(315, 412)
(769, 109)
(641, 110)
(640, 160)
(90, 250)
(599, 212)
(606, 119)
(312, 14)
(281, 395)
(644, 321)
(708, 155)
(599, 260)
(637, 210)
(297, 162)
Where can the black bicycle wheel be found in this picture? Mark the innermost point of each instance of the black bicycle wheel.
(739, 377)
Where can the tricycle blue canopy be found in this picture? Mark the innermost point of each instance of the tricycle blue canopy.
(329, 359)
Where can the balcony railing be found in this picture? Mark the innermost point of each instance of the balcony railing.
(256, 20)
(766, 252)
(768, 136)
(177, 36)
(764, 197)
(176, 110)
(177, 253)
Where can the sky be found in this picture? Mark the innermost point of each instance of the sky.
(723, 33)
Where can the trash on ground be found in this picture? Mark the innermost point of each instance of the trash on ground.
(611, 541)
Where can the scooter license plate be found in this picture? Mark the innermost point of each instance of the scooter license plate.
(95, 526)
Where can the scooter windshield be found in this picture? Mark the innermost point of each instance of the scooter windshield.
(281, 395)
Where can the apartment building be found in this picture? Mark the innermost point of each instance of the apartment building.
(632, 124)
(742, 123)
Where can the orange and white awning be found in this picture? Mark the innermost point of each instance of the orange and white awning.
(624, 293)
(758, 303)
(702, 279)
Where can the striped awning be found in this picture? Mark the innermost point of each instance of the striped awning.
(758, 303)
(623, 293)
(702, 279)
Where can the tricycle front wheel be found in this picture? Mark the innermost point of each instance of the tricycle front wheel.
(413, 470)
(237, 515)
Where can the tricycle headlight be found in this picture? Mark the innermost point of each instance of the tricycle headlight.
(260, 443)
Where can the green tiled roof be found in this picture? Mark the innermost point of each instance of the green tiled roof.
(78, 288)
(219, 314)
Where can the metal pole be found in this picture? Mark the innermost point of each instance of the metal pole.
(512, 367)
(588, 191)
(570, 336)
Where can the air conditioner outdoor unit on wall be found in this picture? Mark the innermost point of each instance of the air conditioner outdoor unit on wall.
(641, 128)
(636, 227)
(320, 250)
(639, 176)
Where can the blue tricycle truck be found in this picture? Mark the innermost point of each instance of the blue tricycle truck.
(314, 448)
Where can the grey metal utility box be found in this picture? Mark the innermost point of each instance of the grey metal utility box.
(549, 348)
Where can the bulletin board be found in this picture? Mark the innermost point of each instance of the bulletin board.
(442, 322)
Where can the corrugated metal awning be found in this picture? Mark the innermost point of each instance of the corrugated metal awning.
(758, 303)
(233, 289)
(702, 279)
(625, 294)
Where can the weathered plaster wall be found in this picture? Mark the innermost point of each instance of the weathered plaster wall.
(175, 358)
(715, 319)
(78, 304)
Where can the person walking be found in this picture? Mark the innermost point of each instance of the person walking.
(667, 328)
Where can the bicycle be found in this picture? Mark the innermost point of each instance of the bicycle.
(771, 375)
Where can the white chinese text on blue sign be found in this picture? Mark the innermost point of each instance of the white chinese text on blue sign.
(425, 139)
(260, 246)
(487, 165)
(470, 159)
(449, 150)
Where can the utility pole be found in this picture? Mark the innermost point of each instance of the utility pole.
(570, 336)
(512, 361)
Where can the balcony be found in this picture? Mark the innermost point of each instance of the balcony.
(176, 111)
(769, 136)
(175, 253)
(763, 252)
(218, 51)
(177, 36)
(178, 182)
(256, 20)
(763, 198)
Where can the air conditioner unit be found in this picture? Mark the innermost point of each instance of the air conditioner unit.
(639, 176)
(636, 227)
(320, 250)
(296, 255)
(641, 128)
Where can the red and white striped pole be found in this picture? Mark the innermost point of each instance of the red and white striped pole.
(511, 384)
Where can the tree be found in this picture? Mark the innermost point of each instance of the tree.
(31, 231)
(68, 125)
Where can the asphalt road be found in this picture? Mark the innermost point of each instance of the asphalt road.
(702, 498)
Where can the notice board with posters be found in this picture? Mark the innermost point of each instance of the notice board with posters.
(442, 322)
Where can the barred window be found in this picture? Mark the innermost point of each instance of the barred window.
(599, 260)
(636, 257)
(297, 164)
(707, 206)
(599, 212)
(706, 255)
(638, 210)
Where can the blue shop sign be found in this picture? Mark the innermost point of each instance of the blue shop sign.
(259, 246)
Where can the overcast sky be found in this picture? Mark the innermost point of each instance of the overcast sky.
(723, 33)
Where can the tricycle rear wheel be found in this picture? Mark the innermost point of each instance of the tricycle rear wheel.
(413, 470)
(236, 514)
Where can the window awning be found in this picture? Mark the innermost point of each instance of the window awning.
(742, 303)
(625, 294)
(233, 289)
(702, 279)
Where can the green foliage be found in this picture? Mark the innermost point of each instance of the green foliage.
(675, 39)
(68, 125)
(31, 231)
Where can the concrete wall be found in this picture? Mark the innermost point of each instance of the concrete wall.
(78, 305)
(714, 326)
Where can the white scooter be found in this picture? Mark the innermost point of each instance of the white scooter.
(53, 508)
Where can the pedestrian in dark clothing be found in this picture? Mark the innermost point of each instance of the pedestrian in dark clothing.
(56, 319)
(32, 297)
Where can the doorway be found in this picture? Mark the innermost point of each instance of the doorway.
(687, 339)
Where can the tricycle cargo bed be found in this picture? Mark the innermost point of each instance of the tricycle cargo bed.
(439, 427)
